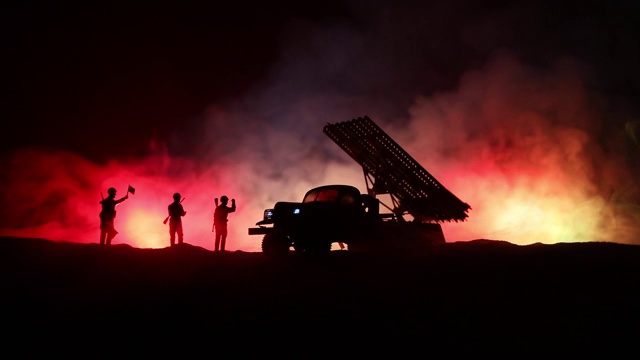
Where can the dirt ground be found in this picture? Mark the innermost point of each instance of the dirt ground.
(464, 299)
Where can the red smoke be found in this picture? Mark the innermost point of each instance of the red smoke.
(522, 146)
(55, 195)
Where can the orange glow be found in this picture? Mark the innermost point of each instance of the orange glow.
(143, 230)
(520, 146)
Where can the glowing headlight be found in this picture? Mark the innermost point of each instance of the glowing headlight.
(268, 214)
(296, 211)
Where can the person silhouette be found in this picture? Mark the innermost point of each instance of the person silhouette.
(220, 221)
(107, 216)
(176, 212)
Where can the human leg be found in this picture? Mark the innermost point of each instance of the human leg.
(103, 232)
(110, 237)
(179, 232)
(111, 232)
(223, 237)
(172, 233)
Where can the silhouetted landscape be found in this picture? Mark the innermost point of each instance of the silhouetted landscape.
(462, 298)
(524, 115)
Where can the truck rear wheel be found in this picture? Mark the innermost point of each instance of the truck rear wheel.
(274, 244)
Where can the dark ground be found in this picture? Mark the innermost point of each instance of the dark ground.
(459, 299)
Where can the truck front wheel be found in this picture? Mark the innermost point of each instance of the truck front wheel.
(275, 244)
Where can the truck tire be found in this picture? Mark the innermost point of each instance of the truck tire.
(275, 244)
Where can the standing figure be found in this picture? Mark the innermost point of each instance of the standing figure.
(108, 215)
(220, 221)
(176, 212)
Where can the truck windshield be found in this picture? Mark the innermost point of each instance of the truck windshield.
(325, 195)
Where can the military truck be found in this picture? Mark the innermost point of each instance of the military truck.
(341, 213)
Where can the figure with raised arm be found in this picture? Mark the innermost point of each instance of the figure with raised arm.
(108, 215)
(220, 221)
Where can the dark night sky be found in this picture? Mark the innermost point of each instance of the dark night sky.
(79, 73)
(76, 74)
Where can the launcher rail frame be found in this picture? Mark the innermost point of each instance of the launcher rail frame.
(389, 169)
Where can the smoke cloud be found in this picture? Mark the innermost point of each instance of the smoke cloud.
(536, 142)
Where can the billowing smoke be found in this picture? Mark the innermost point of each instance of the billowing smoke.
(534, 142)
(528, 148)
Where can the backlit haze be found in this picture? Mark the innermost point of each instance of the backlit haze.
(539, 147)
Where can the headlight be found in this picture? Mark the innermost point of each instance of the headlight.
(268, 214)
(296, 211)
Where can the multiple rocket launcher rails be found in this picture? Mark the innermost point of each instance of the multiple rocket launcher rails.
(389, 169)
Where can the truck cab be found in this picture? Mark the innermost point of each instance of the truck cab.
(326, 214)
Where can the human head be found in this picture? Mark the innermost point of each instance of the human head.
(111, 191)
(224, 199)
(176, 196)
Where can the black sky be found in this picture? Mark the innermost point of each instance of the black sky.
(80, 75)
(104, 79)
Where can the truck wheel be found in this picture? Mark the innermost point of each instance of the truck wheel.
(275, 244)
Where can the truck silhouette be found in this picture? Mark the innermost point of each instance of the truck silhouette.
(416, 202)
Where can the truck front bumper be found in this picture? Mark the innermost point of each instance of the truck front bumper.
(261, 230)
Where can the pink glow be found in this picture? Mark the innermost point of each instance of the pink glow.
(521, 146)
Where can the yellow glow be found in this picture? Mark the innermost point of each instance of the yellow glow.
(145, 229)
